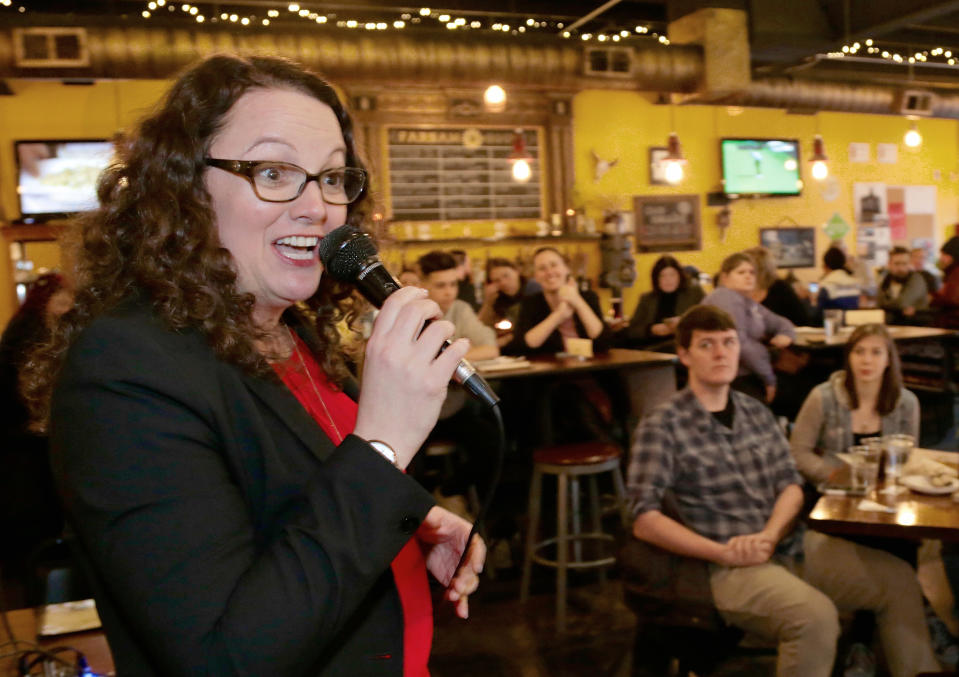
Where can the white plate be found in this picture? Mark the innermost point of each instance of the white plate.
(921, 484)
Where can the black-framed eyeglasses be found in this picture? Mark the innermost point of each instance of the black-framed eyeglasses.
(284, 181)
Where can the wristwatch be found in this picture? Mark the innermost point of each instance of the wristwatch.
(385, 450)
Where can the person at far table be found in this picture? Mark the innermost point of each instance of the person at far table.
(773, 292)
(504, 291)
(946, 300)
(441, 281)
(837, 287)
(738, 493)
(582, 408)
(460, 417)
(653, 324)
(902, 291)
(241, 506)
(409, 278)
(464, 268)
(737, 283)
(559, 311)
(917, 257)
(864, 399)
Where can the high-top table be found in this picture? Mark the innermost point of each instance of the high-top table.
(917, 516)
(814, 338)
(649, 377)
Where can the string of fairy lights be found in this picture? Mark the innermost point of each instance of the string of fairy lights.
(425, 17)
(939, 56)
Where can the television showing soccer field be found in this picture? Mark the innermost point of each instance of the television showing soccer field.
(760, 167)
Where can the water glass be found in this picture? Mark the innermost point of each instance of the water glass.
(864, 466)
(832, 322)
(897, 450)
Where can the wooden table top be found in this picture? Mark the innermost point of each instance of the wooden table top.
(551, 365)
(917, 516)
(91, 643)
(812, 338)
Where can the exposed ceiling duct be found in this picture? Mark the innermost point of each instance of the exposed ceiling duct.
(455, 61)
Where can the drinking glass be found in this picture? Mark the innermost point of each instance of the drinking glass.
(864, 466)
(897, 449)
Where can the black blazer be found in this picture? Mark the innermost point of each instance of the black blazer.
(226, 534)
(535, 308)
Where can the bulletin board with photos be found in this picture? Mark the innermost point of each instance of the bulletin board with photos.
(461, 173)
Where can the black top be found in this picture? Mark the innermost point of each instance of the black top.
(534, 309)
(726, 415)
(29, 506)
(783, 300)
(225, 532)
(666, 306)
(857, 438)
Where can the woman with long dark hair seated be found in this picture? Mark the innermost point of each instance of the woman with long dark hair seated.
(653, 324)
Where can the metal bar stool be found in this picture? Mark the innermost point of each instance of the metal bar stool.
(568, 462)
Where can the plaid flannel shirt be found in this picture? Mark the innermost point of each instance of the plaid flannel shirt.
(726, 482)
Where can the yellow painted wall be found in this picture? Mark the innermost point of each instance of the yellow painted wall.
(619, 125)
(52, 110)
(623, 125)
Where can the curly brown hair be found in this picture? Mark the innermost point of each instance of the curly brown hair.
(154, 233)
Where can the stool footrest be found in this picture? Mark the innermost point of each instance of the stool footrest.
(572, 563)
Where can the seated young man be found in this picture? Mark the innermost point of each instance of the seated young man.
(459, 418)
(738, 491)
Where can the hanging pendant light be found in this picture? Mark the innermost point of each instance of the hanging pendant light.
(520, 158)
(674, 164)
(819, 160)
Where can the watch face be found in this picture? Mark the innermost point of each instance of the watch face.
(385, 450)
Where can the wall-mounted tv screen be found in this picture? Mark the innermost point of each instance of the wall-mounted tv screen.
(59, 177)
(760, 167)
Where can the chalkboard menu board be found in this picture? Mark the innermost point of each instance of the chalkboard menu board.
(667, 223)
(440, 174)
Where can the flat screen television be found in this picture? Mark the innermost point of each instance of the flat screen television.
(59, 177)
(760, 167)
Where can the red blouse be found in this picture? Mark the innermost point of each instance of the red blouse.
(335, 412)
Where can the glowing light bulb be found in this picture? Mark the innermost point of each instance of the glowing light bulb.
(673, 171)
(521, 171)
(790, 165)
(912, 138)
(820, 170)
(495, 98)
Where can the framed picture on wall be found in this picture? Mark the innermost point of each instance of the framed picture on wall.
(657, 171)
(790, 247)
(667, 223)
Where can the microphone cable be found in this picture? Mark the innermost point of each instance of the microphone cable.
(498, 457)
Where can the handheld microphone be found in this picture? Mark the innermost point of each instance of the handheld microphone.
(349, 255)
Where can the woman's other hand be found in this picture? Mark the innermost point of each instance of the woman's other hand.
(661, 329)
(404, 370)
(569, 292)
(443, 537)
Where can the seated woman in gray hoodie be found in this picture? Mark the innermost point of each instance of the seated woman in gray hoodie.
(754, 323)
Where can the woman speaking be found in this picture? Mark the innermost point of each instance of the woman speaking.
(240, 511)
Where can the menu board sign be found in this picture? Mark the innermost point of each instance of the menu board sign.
(447, 174)
(667, 223)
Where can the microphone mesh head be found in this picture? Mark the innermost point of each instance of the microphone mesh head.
(344, 250)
